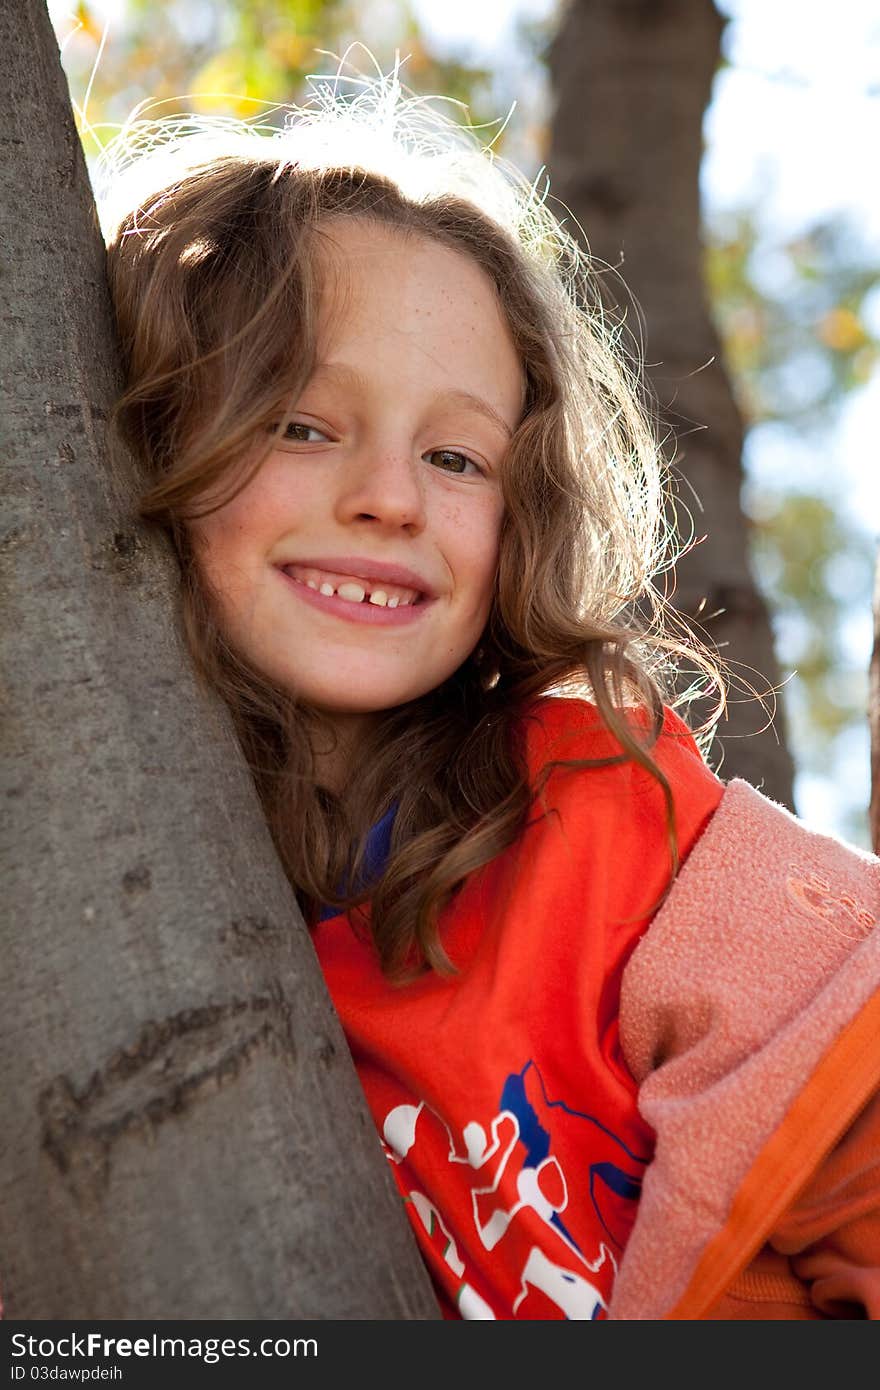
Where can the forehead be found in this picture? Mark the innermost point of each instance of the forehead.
(385, 290)
(363, 266)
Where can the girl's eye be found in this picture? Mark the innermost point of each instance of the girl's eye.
(295, 431)
(451, 461)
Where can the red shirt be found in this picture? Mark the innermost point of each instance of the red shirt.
(503, 1102)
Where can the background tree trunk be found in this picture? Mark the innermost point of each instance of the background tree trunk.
(183, 1133)
(632, 79)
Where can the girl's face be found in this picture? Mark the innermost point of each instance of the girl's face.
(356, 568)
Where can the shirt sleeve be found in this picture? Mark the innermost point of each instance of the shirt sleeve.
(822, 1258)
(831, 1233)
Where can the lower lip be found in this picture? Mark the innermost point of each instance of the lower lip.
(365, 612)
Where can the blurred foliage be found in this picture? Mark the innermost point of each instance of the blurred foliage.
(791, 317)
(242, 57)
(790, 313)
(797, 340)
(817, 570)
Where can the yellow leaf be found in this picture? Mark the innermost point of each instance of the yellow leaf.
(288, 49)
(220, 86)
(88, 24)
(842, 331)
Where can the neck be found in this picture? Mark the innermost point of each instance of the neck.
(335, 748)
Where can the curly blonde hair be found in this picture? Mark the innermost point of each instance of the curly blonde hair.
(210, 226)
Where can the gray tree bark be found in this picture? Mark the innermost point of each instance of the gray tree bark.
(183, 1134)
(632, 79)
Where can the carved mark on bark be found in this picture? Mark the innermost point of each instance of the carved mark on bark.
(323, 1049)
(16, 536)
(68, 410)
(245, 933)
(123, 554)
(138, 879)
(163, 1073)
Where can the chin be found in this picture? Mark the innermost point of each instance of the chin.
(363, 709)
(353, 695)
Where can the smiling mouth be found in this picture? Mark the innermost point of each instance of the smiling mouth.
(353, 588)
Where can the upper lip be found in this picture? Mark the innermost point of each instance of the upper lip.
(377, 571)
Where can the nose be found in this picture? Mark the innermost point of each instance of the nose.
(383, 484)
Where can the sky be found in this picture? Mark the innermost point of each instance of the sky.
(794, 126)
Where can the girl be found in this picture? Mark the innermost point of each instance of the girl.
(617, 1021)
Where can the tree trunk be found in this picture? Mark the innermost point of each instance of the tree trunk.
(874, 718)
(632, 79)
(183, 1132)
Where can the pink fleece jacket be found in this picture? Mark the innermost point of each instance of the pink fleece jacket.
(750, 1016)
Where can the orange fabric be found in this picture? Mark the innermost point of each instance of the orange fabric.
(823, 1258)
(768, 1290)
(830, 1233)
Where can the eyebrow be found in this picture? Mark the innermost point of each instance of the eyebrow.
(453, 396)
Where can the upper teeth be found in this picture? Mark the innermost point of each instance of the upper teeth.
(350, 591)
(353, 590)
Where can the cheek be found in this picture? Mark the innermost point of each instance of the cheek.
(478, 536)
(222, 566)
(213, 552)
(223, 539)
